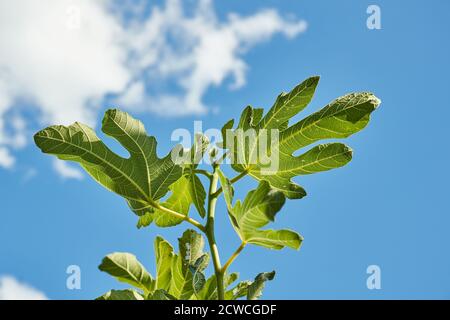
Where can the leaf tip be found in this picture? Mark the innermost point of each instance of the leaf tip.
(299, 242)
(376, 101)
(315, 79)
(373, 100)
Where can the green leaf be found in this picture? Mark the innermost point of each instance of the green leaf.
(178, 276)
(251, 289)
(209, 290)
(339, 119)
(258, 209)
(239, 291)
(198, 277)
(183, 195)
(126, 268)
(197, 191)
(254, 290)
(141, 179)
(228, 191)
(196, 153)
(186, 191)
(127, 294)
(191, 249)
(160, 294)
(164, 256)
(289, 104)
(144, 220)
(230, 278)
(227, 126)
(191, 246)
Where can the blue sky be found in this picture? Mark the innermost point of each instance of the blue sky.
(388, 207)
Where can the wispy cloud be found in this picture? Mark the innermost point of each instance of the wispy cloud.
(11, 289)
(6, 159)
(67, 171)
(194, 52)
(64, 57)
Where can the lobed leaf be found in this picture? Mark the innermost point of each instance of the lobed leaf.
(339, 119)
(142, 179)
(187, 191)
(258, 209)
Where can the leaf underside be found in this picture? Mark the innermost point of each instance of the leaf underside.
(143, 178)
(154, 187)
(339, 119)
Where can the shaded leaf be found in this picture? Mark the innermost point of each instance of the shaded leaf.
(191, 246)
(198, 277)
(254, 290)
(239, 291)
(144, 220)
(209, 291)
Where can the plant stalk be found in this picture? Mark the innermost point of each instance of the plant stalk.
(181, 216)
(210, 235)
(233, 257)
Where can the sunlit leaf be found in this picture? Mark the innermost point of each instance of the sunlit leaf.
(142, 179)
(127, 294)
(258, 209)
(126, 268)
(160, 294)
(264, 157)
(164, 255)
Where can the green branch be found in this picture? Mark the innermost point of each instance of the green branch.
(210, 234)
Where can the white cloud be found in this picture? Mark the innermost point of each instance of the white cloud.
(64, 57)
(51, 63)
(66, 170)
(196, 52)
(6, 159)
(11, 289)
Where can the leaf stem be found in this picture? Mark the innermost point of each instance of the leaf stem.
(203, 172)
(233, 256)
(232, 180)
(212, 200)
(181, 216)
